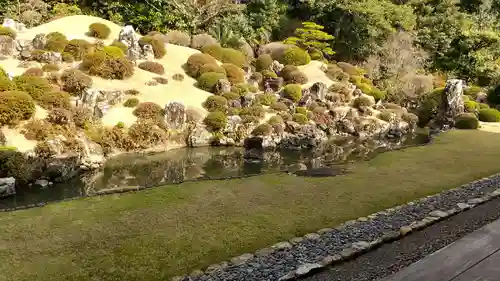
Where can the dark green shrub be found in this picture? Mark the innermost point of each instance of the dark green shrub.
(362, 101)
(67, 57)
(50, 67)
(75, 81)
(215, 103)
(255, 111)
(266, 99)
(494, 95)
(233, 56)
(240, 89)
(99, 30)
(263, 62)
(34, 71)
(483, 105)
(33, 85)
(7, 31)
(296, 77)
(471, 106)
(55, 42)
(145, 133)
(429, 106)
(231, 96)
(15, 164)
(148, 110)
(113, 51)
(268, 74)
(157, 44)
(177, 37)
(55, 99)
(215, 50)
(276, 119)
(216, 121)
(152, 66)
(489, 115)
(212, 68)
(234, 74)
(472, 91)
(279, 106)
(263, 129)
(196, 61)
(38, 55)
(15, 106)
(300, 118)
(132, 102)
(208, 81)
(293, 92)
(466, 121)
(200, 40)
(296, 56)
(78, 48)
(102, 65)
(6, 84)
(178, 77)
(120, 45)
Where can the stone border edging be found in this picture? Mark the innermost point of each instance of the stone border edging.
(356, 248)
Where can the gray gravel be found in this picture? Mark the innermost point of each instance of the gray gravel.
(392, 257)
(278, 263)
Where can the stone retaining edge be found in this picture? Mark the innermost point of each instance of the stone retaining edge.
(356, 248)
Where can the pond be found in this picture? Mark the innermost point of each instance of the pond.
(188, 164)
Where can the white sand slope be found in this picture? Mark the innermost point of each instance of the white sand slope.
(16, 139)
(315, 74)
(490, 127)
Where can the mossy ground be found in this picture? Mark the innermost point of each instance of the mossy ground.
(166, 231)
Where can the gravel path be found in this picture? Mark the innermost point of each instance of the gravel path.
(392, 257)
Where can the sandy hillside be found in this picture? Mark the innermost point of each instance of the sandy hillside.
(315, 74)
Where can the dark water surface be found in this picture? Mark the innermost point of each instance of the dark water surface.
(188, 164)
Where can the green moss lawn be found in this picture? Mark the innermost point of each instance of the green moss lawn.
(166, 231)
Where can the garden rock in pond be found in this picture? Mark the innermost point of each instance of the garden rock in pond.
(7, 186)
(302, 136)
(199, 136)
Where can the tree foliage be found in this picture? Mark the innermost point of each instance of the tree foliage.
(312, 37)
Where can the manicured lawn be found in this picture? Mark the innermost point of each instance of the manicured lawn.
(158, 233)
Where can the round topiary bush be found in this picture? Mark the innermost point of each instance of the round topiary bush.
(82, 117)
(212, 68)
(55, 42)
(263, 62)
(50, 67)
(233, 56)
(234, 74)
(215, 50)
(132, 102)
(292, 92)
(483, 105)
(177, 37)
(287, 70)
(59, 116)
(152, 66)
(55, 99)
(215, 103)
(266, 74)
(377, 94)
(276, 119)
(208, 81)
(7, 31)
(279, 106)
(34, 71)
(78, 48)
(15, 106)
(113, 51)
(471, 106)
(362, 101)
(200, 40)
(466, 121)
(385, 115)
(148, 110)
(35, 86)
(263, 129)
(255, 111)
(350, 69)
(178, 77)
(75, 81)
(472, 91)
(6, 84)
(102, 65)
(216, 121)
(266, 99)
(99, 30)
(67, 57)
(300, 118)
(240, 89)
(158, 45)
(489, 115)
(120, 45)
(231, 96)
(295, 56)
(296, 77)
(196, 61)
(301, 110)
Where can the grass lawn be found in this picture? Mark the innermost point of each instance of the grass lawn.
(166, 231)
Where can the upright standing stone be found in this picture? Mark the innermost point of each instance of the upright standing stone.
(452, 105)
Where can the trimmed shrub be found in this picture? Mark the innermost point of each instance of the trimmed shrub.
(152, 66)
(75, 81)
(385, 115)
(132, 92)
(263, 129)
(208, 81)
(145, 133)
(196, 61)
(472, 91)
(15, 106)
(55, 99)
(489, 115)
(78, 48)
(293, 92)
(161, 80)
(377, 94)
(362, 101)
(55, 42)
(231, 96)
(266, 99)
(471, 106)
(215, 50)
(215, 103)
(216, 121)
(300, 118)
(67, 57)
(120, 125)
(59, 116)
(350, 69)
(268, 74)
(34, 71)
(336, 73)
(295, 56)
(50, 67)
(132, 102)
(212, 68)
(301, 110)
(483, 105)
(263, 62)
(157, 44)
(257, 77)
(35, 86)
(297, 77)
(113, 51)
(276, 119)
(99, 30)
(7, 31)
(466, 121)
(120, 45)
(287, 70)
(82, 117)
(255, 111)
(279, 106)
(200, 40)
(148, 110)
(107, 67)
(240, 89)
(178, 77)
(6, 84)
(177, 37)
(234, 74)
(233, 56)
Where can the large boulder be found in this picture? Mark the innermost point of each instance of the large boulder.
(199, 136)
(302, 136)
(7, 187)
(91, 154)
(128, 37)
(175, 115)
(7, 46)
(318, 90)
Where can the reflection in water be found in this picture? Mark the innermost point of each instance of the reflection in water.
(200, 163)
